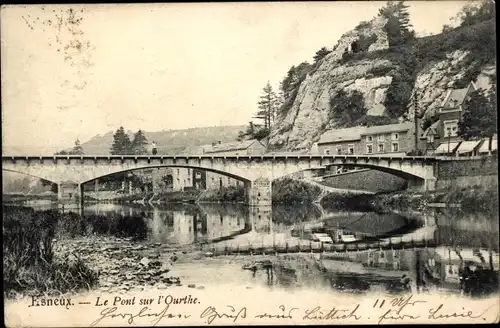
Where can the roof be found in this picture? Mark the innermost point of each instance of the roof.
(389, 128)
(443, 148)
(230, 146)
(467, 146)
(340, 135)
(485, 146)
(218, 148)
(431, 130)
(355, 133)
(456, 97)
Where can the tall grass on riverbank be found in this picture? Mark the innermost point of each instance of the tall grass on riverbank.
(291, 191)
(30, 266)
(112, 224)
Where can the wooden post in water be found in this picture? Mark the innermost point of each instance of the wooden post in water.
(490, 258)
(417, 270)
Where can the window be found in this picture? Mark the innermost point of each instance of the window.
(395, 136)
(430, 138)
(350, 149)
(369, 149)
(450, 128)
(381, 148)
(327, 151)
(381, 137)
(339, 150)
(395, 146)
(369, 138)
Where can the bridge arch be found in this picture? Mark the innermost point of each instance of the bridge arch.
(28, 174)
(398, 173)
(195, 167)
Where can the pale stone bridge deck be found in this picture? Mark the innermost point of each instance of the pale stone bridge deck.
(256, 171)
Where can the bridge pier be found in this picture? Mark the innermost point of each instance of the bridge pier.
(422, 184)
(259, 192)
(70, 193)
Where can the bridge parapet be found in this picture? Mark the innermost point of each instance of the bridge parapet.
(248, 168)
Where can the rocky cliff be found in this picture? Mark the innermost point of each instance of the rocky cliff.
(388, 78)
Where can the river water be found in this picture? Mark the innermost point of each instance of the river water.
(454, 242)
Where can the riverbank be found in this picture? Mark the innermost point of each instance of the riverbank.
(477, 198)
(52, 253)
(31, 266)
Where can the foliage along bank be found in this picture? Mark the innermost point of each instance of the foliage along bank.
(30, 264)
(472, 199)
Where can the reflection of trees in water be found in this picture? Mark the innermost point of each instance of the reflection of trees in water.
(370, 223)
(226, 209)
(451, 236)
(291, 214)
(467, 229)
(113, 224)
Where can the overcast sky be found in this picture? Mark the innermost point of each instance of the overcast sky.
(162, 66)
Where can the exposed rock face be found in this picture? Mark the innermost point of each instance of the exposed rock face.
(434, 82)
(308, 115)
(372, 75)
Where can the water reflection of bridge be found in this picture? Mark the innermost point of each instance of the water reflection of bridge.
(437, 230)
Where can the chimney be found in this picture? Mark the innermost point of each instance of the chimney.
(219, 142)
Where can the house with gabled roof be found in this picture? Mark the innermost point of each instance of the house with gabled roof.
(441, 138)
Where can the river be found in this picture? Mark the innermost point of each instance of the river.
(185, 237)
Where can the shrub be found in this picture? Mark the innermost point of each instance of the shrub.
(29, 262)
(291, 191)
(225, 194)
(346, 108)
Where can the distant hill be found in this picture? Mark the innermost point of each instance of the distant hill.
(169, 142)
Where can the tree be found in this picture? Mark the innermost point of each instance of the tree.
(476, 12)
(121, 143)
(320, 54)
(292, 81)
(253, 132)
(398, 27)
(479, 118)
(268, 106)
(139, 143)
(77, 148)
(347, 109)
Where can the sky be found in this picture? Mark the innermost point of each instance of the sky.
(161, 66)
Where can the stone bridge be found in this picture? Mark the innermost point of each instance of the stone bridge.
(257, 172)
